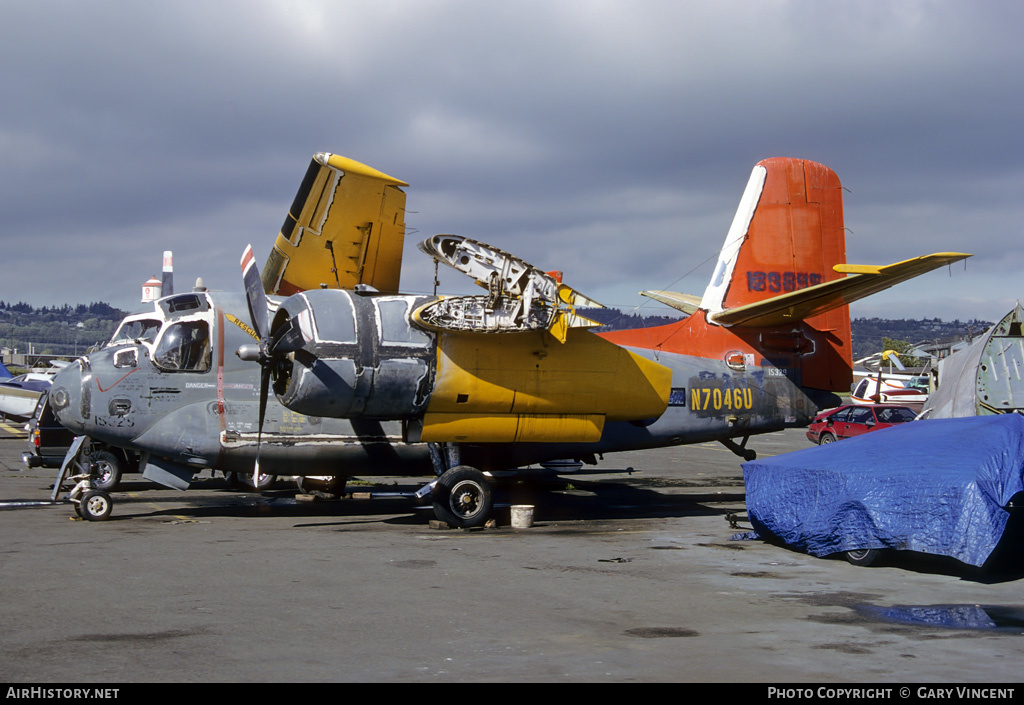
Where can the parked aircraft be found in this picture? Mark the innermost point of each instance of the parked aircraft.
(462, 386)
(984, 378)
(19, 395)
(891, 388)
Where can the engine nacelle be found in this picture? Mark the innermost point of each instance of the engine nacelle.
(361, 356)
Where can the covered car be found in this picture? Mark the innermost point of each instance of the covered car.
(944, 486)
(855, 420)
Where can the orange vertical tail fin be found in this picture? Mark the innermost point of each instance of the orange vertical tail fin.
(787, 236)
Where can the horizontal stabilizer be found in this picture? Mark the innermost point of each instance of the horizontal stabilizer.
(862, 281)
(687, 303)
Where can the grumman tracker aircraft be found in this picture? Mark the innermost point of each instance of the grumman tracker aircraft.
(466, 386)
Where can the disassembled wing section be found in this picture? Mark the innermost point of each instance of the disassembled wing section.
(520, 297)
(345, 227)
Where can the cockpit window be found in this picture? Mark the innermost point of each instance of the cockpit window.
(139, 330)
(185, 347)
(184, 303)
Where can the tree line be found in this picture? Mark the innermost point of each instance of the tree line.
(57, 330)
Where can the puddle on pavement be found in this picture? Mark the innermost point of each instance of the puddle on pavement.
(1009, 620)
(661, 632)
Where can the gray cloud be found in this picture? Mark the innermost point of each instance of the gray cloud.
(610, 140)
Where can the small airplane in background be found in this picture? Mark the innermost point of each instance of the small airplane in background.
(465, 386)
(20, 394)
(891, 388)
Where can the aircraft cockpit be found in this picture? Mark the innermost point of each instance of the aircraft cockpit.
(184, 346)
(177, 334)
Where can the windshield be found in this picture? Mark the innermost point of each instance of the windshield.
(920, 383)
(184, 346)
(138, 330)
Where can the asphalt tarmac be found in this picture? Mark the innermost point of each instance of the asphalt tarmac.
(623, 578)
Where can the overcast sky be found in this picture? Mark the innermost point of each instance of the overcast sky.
(611, 140)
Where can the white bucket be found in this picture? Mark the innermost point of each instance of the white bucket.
(522, 516)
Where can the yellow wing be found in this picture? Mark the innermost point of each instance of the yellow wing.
(345, 227)
(863, 280)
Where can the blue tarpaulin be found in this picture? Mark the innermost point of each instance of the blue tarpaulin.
(938, 486)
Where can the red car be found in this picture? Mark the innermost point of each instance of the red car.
(854, 420)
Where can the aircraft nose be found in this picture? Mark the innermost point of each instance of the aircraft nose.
(68, 396)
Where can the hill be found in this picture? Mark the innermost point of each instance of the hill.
(868, 332)
(59, 330)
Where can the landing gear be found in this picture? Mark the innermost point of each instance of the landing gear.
(323, 487)
(89, 500)
(244, 480)
(463, 497)
(739, 449)
(95, 505)
(107, 468)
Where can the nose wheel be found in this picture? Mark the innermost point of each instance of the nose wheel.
(94, 505)
(91, 502)
(463, 497)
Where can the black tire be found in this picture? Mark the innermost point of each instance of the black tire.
(107, 470)
(463, 497)
(266, 482)
(243, 481)
(95, 505)
(331, 488)
(863, 556)
(826, 438)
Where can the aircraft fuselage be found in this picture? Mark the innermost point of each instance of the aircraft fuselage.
(178, 391)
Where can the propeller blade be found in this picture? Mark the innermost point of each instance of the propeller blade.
(257, 302)
(264, 390)
(254, 295)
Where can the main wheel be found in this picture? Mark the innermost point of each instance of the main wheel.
(863, 556)
(95, 505)
(243, 480)
(462, 497)
(826, 438)
(107, 470)
(328, 487)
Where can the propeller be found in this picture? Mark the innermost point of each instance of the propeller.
(272, 347)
